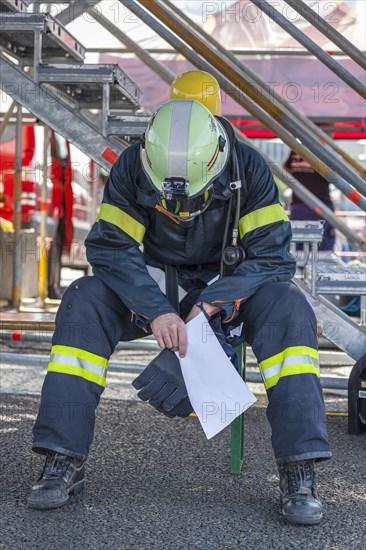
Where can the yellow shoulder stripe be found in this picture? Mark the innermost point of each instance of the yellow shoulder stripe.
(262, 216)
(127, 223)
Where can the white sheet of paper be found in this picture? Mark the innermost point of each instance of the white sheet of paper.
(217, 392)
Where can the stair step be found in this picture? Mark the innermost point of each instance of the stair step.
(17, 37)
(337, 326)
(19, 6)
(58, 115)
(307, 231)
(125, 125)
(335, 277)
(85, 84)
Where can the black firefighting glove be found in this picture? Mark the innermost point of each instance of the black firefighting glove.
(161, 383)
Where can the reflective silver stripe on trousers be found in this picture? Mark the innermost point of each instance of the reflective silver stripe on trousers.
(178, 143)
(77, 362)
(288, 362)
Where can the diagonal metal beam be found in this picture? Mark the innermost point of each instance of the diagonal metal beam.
(310, 45)
(66, 121)
(293, 183)
(236, 84)
(157, 67)
(237, 51)
(7, 117)
(330, 32)
(74, 10)
(277, 98)
(305, 195)
(244, 84)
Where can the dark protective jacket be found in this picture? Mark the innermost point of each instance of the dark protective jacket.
(130, 216)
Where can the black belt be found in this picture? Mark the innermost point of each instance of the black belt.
(199, 267)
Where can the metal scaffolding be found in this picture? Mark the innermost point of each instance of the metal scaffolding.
(330, 32)
(309, 198)
(310, 45)
(305, 195)
(235, 83)
(271, 93)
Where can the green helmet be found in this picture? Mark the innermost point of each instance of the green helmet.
(184, 150)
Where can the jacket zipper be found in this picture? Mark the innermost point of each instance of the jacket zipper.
(237, 304)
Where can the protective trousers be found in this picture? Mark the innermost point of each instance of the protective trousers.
(91, 320)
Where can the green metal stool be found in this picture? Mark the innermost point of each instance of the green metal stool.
(237, 426)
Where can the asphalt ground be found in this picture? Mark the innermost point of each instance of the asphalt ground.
(156, 483)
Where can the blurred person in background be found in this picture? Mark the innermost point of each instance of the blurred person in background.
(319, 186)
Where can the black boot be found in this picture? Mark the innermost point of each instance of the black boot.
(299, 500)
(61, 478)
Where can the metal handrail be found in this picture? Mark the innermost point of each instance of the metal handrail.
(302, 192)
(358, 86)
(274, 95)
(226, 76)
(71, 13)
(330, 32)
(307, 196)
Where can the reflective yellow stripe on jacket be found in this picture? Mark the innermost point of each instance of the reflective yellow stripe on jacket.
(77, 362)
(294, 360)
(262, 216)
(127, 223)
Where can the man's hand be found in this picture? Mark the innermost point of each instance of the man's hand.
(209, 309)
(170, 332)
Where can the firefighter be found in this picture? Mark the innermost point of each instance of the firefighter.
(319, 186)
(198, 86)
(197, 199)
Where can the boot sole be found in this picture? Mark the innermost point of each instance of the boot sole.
(74, 490)
(303, 521)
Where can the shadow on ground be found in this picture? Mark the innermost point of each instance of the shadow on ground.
(157, 483)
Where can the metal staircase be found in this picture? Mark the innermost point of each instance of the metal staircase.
(93, 106)
(329, 276)
(31, 37)
(19, 6)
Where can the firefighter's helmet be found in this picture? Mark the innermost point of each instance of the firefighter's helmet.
(184, 150)
(199, 86)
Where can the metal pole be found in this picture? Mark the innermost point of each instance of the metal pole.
(314, 250)
(297, 52)
(309, 198)
(43, 256)
(135, 368)
(306, 196)
(37, 53)
(18, 338)
(226, 81)
(94, 180)
(159, 69)
(330, 32)
(105, 107)
(74, 10)
(326, 59)
(7, 117)
(271, 93)
(17, 210)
